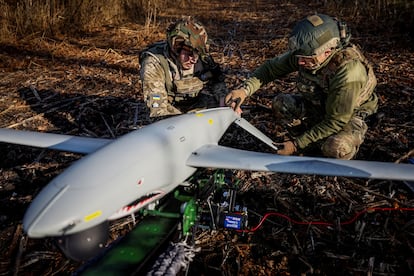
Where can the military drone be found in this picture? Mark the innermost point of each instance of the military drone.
(118, 177)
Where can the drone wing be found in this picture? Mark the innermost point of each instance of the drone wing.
(53, 141)
(214, 156)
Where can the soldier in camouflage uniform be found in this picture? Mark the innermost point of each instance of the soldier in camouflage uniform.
(335, 84)
(178, 75)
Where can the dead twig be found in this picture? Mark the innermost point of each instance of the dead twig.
(405, 156)
(34, 91)
(376, 193)
(22, 247)
(40, 115)
(107, 126)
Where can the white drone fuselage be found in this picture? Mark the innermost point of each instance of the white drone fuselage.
(151, 160)
(120, 176)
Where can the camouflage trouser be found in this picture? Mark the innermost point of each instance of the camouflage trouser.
(342, 145)
(345, 144)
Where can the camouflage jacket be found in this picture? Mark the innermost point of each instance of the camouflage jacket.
(343, 85)
(165, 84)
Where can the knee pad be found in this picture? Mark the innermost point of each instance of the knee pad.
(346, 143)
(340, 147)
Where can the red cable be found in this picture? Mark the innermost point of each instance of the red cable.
(352, 220)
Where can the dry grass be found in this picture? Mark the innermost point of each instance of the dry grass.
(36, 17)
(22, 18)
(392, 14)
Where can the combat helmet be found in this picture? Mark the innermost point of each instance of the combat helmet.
(187, 32)
(317, 33)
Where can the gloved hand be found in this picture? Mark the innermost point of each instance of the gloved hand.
(288, 148)
(235, 98)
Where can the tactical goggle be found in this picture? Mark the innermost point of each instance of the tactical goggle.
(312, 58)
(311, 62)
(190, 51)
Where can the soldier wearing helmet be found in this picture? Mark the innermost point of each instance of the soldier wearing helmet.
(335, 88)
(177, 73)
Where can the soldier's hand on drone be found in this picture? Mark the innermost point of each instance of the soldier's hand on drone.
(235, 98)
(287, 148)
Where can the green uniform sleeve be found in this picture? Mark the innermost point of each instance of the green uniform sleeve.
(271, 70)
(345, 87)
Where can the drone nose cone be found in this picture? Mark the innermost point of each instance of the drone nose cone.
(40, 219)
(39, 229)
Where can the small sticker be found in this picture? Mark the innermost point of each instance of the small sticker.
(156, 97)
(210, 121)
(92, 216)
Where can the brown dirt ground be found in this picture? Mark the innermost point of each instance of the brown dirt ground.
(89, 85)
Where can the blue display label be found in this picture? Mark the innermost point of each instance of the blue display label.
(234, 222)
